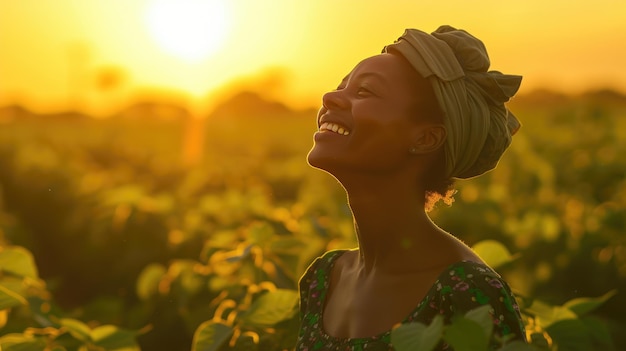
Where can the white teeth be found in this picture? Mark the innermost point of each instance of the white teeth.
(332, 127)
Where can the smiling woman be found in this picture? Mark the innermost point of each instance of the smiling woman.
(189, 29)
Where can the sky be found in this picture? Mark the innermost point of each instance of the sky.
(99, 54)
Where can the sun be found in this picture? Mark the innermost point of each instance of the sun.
(190, 29)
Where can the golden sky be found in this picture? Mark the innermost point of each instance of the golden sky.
(52, 52)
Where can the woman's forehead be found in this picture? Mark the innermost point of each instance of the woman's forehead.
(385, 66)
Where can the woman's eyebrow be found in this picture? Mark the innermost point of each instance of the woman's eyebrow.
(374, 74)
(343, 83)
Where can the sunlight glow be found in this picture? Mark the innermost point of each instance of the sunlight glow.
(189, 29)
(209, 48)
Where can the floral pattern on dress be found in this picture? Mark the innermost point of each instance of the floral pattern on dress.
(463, 286)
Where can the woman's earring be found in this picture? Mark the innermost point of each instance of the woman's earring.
(413, 150)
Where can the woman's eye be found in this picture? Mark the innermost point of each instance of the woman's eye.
(363, 92)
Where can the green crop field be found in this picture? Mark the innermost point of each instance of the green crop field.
(173, 234)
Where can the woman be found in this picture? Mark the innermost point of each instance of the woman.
(396, 133)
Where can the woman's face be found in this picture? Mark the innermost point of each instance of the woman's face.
(369, 123)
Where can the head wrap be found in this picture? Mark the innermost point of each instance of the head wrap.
(479, 127)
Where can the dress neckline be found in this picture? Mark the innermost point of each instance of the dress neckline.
(331, 263)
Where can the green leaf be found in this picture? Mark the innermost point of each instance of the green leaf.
(540, 340)
(547, 315)
(584, 305)
(493, 253)
(482, 316)
(191, 282)
(417, 336)
(149, 279)
(260, 233)
(13, 283)
(21, 342)
(271, 308)
(18, 261)
(10, 299)
(111, 338)
(466, 335)
(77, 329)
(570, 335)
(288, 245)
(210, 336)
(239, 254)
(599, 332)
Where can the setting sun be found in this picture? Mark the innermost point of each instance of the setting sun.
(189, 29)
(52, 58)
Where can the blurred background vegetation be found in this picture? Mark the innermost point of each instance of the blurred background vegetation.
(155, 221)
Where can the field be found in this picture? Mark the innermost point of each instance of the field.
(163, 228)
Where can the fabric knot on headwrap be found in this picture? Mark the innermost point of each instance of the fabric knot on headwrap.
(479, 127)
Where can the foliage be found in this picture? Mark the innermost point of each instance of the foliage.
(567, 327)
(548, 328)
(22, 292)
(132, 248)
(470, 332)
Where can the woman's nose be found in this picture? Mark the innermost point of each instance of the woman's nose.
(335, 100)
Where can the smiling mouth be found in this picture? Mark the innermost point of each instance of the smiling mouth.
(335, 128)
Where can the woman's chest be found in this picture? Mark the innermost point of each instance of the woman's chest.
(354, 310)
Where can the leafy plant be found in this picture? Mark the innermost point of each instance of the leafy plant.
(123, 234)
(233, 286)
(570, 326)
(24, 294)
(470, 332)
(243, 325)
(564, 328)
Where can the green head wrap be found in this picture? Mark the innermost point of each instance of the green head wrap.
(479, 127)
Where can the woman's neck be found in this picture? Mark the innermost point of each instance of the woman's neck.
(394, 232)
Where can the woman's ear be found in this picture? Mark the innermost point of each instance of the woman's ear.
(428, 138)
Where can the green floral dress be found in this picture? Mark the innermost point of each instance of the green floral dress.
(461, 287)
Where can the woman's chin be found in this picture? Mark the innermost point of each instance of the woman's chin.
(317, 159)
(314, 160)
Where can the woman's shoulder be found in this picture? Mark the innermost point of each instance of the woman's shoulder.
(466, 285)
(469, 268)
(321, 266)
(472, 278)
(315, 281)
(328, 259)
